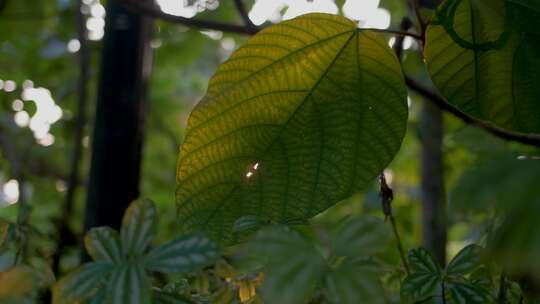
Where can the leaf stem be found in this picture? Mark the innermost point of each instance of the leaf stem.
(386, 194)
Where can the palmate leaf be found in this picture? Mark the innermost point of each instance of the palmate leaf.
(138, 227)
(480, 59)
(103, 243)
(466, 261)
(82, 283)
(128, 284)
(425, 278)
(306, 113)
(182, 254)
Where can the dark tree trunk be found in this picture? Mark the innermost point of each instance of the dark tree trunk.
(119, 122)
(434, 236)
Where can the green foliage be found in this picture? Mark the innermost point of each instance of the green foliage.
(457, 283)
(119, 271)
(303, 115)
(296, 265)
(483, 61)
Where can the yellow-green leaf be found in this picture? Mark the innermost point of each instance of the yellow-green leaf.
(482, 60)
(303, 115)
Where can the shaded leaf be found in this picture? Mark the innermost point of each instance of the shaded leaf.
(128, 284)
(164, 297)
(138, 227)
(102, 243)
(360, 237)
(82, 283)
(353, 283)
(224, 295)
(303, 115)
(480, 61)
(16, 283)
(425, 278)
(183, 254)
(467, 293)
(245, 223)
(421, 261)
(466, 261)
(4, 231)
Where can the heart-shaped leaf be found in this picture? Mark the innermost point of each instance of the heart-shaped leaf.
(103, 243)
(183, 254)
(481, 60)
(303, 115)
(138, 227)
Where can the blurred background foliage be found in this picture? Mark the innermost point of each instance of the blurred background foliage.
(488, 181)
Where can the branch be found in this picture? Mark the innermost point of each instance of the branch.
(244, 14)
(529, 139)
(153, 11)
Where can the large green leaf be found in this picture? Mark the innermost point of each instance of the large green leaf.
(103, 243)
(128, 284)
(303, 115)
(480, 59)
(82, 283)
(138, 227)
(183, 254)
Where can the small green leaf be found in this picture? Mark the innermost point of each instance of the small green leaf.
(128, 284)
(466, 293)
(302, 116)
(138, 227)
(294, 266)
(425, 278)
(360, 237)
(183, 254)
(466, 261)
(164, 297)
(102, 243)
(82, 283)
(245, 223)
(353, 283)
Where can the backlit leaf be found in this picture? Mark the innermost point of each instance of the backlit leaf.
(303, 115)
(480, 60)
(182, 254)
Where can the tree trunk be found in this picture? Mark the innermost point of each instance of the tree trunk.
(119, 121)
(434, 236)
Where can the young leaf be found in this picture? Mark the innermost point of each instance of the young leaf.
(128, 284)
(425, 278)
(480, 61)
(466, 261)
(81, 283)
(183, 254)
(353, 283)
(102, 243)
(303, 115)
(138, 227)
(364, 236)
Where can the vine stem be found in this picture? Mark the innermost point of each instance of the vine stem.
(386, 194)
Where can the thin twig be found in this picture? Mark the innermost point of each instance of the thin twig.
(80, 123)
(386, 194)
(153, 11)
(242, 11)
(529, 139)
